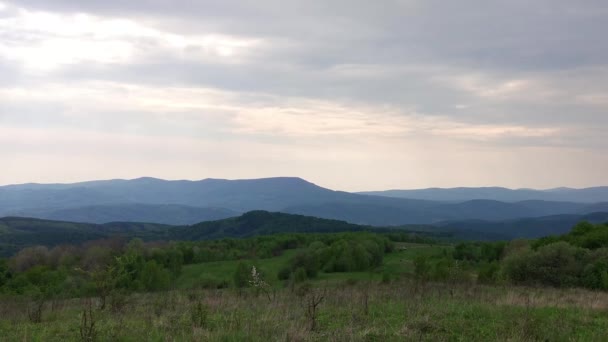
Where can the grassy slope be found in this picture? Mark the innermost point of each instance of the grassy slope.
(398, 264)
(396, 312)
(400, 311)
(217, 271)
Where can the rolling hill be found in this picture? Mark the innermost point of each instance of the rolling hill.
(529, 228)
(174, 214)
(588, 195)
(187, 202)
(17, 232)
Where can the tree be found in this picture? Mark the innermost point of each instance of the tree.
(29, 257)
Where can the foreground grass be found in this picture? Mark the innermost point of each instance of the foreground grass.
(366, 311)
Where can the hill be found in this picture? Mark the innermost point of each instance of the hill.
(588, 195)
(187, 202)
(519, 228)
(174, 214)
(262, 223)
(383, 213)
(17, 232)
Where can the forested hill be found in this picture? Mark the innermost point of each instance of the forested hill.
(262, 222)
(17, 233)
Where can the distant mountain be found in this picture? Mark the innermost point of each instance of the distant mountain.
(186, 202)
(597, 207)
(158, 213)
(412, 212)
(519, 228)
(237, 195)
(588, 195)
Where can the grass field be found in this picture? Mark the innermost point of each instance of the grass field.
(355, 306)
(198, 275)
(398, 264)
(400, 311)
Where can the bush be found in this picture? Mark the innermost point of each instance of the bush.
(242, 275)
(488, 273)
(559, 264)
(595, 276)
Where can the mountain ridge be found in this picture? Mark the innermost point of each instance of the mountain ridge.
(582, 195)
(188, 201)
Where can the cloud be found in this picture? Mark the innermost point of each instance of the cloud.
(43, 40)
(342, 83)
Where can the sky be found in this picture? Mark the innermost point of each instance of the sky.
(351, 95)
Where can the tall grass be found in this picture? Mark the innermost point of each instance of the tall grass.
(364, 311)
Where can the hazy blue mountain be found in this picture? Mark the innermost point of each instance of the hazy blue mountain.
(367, 213)
(412, 212)
(184, 202)
(519, 228)
(79, 200)
(588, 195)
(237, 195)
(597, 207)
(129, 212)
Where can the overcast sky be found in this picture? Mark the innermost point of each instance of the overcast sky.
(351, 95)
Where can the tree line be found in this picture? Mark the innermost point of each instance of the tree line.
(116, 265)
(576, 259)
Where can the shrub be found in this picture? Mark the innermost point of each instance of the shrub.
(488, 273)
(559, 264)
(241, 275)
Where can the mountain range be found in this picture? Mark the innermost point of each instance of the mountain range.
(587, 195)
(17, 232)
(187, 202)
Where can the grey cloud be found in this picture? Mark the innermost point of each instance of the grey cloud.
(512, 35)
(431, 57)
